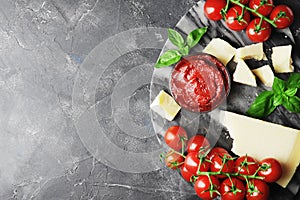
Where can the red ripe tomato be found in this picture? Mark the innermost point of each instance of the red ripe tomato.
(263, 7)
(198, 143)
(212, 9)
(203, 188)
(173, 160)
(216, 151)
(282, 15)
(257, 190)
(217, 164)
(235, 20)
(245, 2)
(186, 174)
(246, 165)
(174, 137)
(256, 33)
(270, 169)
(232, 189)
(192, 162)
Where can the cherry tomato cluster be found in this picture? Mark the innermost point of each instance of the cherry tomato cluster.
(238, 13)
(214, 172)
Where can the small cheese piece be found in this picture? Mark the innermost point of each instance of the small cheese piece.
(221, 49)
(281, 59)
(165, 106)
(265, 74)
(243, 74)
(254, 51)
(261, 139)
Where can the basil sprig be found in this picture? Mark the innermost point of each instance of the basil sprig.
(171, 57)
(283, 93)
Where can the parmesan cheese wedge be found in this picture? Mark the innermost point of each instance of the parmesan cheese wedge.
(165, 106)
(262, 139)
(221, 49)
(243, 74)
(254, 51)
(265, 74)
(281, 59)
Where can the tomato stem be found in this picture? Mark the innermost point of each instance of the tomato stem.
(224, 10)
(182, 139)
(237, 2)
(181, 154)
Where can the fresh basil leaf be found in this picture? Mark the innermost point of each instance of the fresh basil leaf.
(194, 37)
(175, 38)
(168, 58)
(263, 105)
(294, 81)
(292, 104)
(278, 85)
(184, 50)
(291, 92)
(278, 99)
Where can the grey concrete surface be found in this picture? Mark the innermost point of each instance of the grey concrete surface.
(42, 45)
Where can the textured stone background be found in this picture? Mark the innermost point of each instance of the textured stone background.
(42, 46)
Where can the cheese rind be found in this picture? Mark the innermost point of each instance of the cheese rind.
(281, 59)
(262, 139)
(254, 51)
(265, 74)
(243, 74)
(165, 106)
(221, 49)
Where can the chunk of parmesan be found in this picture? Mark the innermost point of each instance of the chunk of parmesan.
(165, 106)
(262, 139)
(243, 74)
(281, 59)
(221, 49)
(254, 51)
(265, 74)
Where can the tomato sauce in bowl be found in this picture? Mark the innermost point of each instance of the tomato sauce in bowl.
(200, 83)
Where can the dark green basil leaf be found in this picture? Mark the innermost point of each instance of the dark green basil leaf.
(278, 99)
(194, 37)
(294, 81)
(292, 104)
(168, 58)
(263, 105)
(184, 50)
(291, 92)
(175, 38)
(278, 85)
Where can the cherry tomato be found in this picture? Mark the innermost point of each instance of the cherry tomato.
(257, 190)
(245, 2)
(235, 20)
(192, 162)
(216, 151)
(217, 164)
(283, 16)
(198, 143)
(257, 34)
(263, 7)
(232, 189)
(174, 160)
(212, 9)
(174, 137)
(246, 165)
(186, 174)
(270, 169)
(203, 188)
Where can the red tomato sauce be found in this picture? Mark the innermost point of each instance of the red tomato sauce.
(200, 83)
